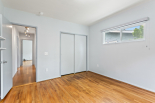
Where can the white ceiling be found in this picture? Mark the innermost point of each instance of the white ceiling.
(85, 12)
(21, 29)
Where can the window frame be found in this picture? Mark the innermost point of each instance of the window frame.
(125, 27)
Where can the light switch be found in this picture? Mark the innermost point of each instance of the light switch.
(46, 53)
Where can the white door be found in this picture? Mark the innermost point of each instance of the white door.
(80, 53)
(67, 54)
(6, 57)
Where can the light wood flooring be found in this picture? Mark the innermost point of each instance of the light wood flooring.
(27, 63)
(25, 74)
(85, 87)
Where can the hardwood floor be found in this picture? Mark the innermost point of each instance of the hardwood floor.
(27, 63)
(25, 74)
(85, 87)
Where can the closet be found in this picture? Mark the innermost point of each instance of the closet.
(73, 53)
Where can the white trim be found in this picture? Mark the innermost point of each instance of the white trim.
(140, 40)
(36, 30)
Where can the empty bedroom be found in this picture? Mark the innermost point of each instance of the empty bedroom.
(77, 51)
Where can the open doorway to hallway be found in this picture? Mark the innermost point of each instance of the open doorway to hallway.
(24, 55)
(27, 52)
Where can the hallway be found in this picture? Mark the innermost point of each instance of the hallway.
(25, 74)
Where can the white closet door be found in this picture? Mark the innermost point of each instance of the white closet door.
(67, 54)
(80, 53)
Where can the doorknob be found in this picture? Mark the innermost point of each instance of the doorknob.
(3, 62)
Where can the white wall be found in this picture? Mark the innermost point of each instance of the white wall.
(48, 39)
(1, 7)
(27, 49)
(15, 37)
(133, 63)
(34, 48)
(18, 52)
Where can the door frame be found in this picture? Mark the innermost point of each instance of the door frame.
(74, 49)
(36, 44)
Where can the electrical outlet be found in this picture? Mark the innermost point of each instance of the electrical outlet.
(97, 65)
(46, 69)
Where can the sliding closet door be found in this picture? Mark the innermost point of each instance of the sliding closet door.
(80, 53)
(67, 54)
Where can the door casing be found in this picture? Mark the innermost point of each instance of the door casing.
(36, 28)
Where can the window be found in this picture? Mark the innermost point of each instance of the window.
(125, 33)
(112, 36)
(133, 33)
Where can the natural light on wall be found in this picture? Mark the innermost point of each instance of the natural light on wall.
(128, 33)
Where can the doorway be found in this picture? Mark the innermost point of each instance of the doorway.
(27, 52)
(24, 55)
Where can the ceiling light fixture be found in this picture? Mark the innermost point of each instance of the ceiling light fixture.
(10, 26)
(26, 30)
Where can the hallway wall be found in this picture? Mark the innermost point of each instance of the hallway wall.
(15, 38)
(34, 50)
(18, 52)
(48, 39)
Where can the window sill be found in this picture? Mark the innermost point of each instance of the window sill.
(126, 42)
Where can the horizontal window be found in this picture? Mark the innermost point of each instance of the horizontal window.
(127, 33)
